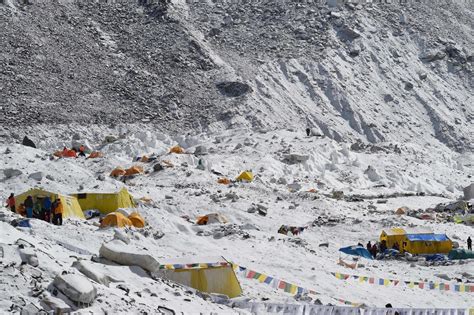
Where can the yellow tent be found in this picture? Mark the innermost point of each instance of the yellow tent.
(211, 275)
(417, 241)
(106, 202)
(245, 176)
(115, 219)
(71, 206)
(177, 150)
(137, 220)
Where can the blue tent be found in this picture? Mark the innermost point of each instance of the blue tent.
(356, 251)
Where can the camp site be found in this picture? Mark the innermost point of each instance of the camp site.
(214, 215)
(237, 157)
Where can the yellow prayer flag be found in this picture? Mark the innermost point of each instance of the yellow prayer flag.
(293, 289)
(262, 278)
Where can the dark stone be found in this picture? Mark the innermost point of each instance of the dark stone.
(233, 89)
(28, 142)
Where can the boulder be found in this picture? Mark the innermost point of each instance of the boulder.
(123, 254)
(295, 158)
(76, 143)
(11, 172)
(28, 142)
(469, 192)
(57, 306)
(388, 98)
(433, 56)
(200, 150)
(372, 174)
(28, 256)
(110, 139)
(87, 268)
(37, 176)
(122, 236)
(294, 186)
(348, 33)
(76, 287)
(233, 89)
(157, 167)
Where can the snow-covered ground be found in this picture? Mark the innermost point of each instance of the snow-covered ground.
(184, 190)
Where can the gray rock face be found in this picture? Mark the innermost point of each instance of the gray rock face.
(76, 287)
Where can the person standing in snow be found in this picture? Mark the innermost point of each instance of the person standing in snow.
(82, 150)
(58, 213)
(369, 246)
(29, 206)
(47, 209)
(373, 251)
(38, 210)
(11, 202)
(469, 243)
(308, 132)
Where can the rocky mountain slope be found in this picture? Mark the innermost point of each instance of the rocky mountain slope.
(375, 72)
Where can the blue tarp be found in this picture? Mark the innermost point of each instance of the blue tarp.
(24, 223)
(427, 237)
(435, 257)
(356, 251)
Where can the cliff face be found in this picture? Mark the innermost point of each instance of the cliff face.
(378, 72)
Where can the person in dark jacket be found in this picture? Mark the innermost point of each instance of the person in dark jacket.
(308, 132)
(29, 206)
(369, 246)
(47, 209)
(469, 243)
(373, 251)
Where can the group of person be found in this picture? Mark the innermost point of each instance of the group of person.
(378, 247)
(73, 152)
(41, 208)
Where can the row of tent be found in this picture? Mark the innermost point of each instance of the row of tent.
(75, 204)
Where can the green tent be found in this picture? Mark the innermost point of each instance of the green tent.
(461, 254)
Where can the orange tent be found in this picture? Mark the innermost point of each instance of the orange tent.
(224, 181)
(136, 169)
(58, 153)
(177, 149)
(115, 219)
(118, 171)
(69, 154)
(95, 154)
(137, 220)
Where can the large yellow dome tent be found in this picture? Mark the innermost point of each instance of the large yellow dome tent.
(105, 202)
(71, 206)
